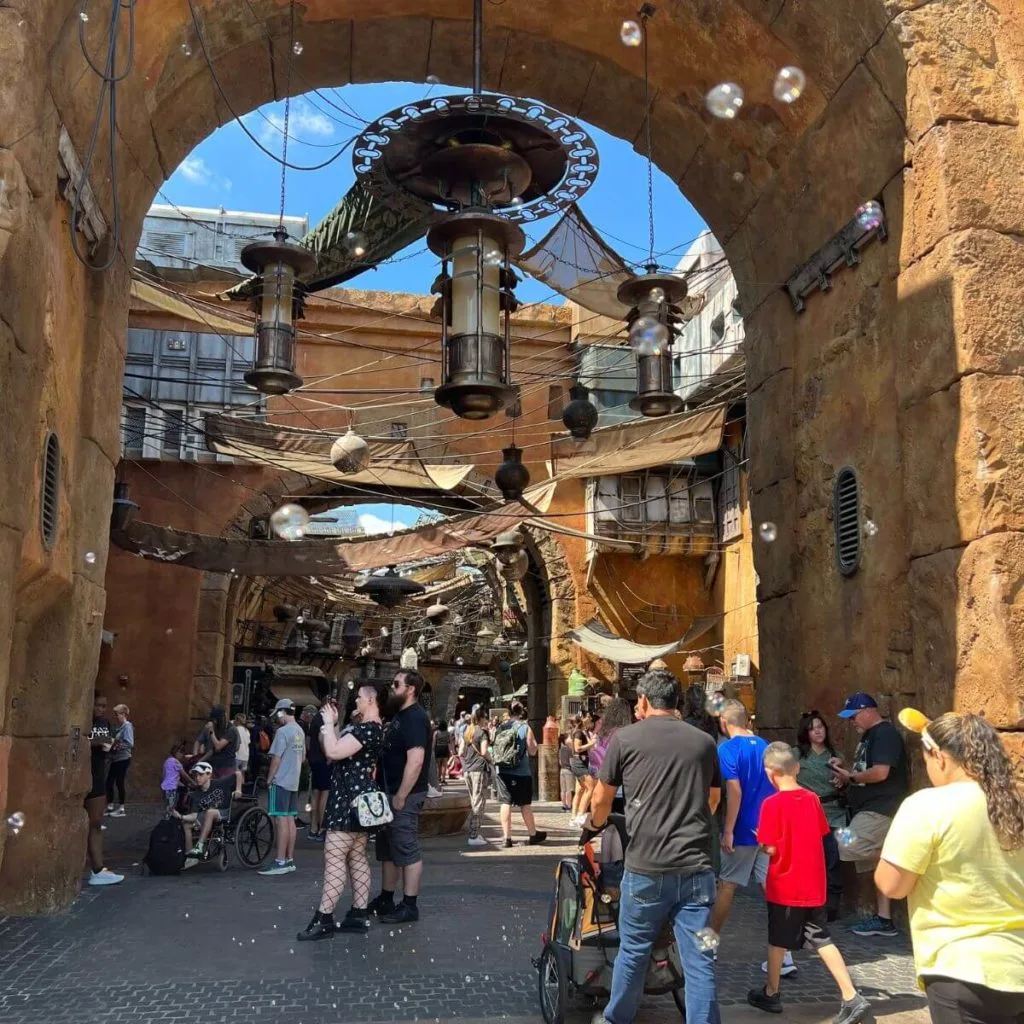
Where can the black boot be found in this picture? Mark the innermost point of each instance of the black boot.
(321, 927)
(355, 921)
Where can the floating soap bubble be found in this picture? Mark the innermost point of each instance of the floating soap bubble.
(297, 47)
(468, 979)
(648, 336)
(186, 49)
(870, 528)
(631, 33)
(516, 201)
(789, 85)
(289, 522)
(90, 557)
(433, 80)
(15, 823)
(707, 940)
(768, 532)
(869, 216)
(460, 660)
(309, 807)
(738, 176)
(845, 836)
(656, 295)
(83, 15)
(724, 100)
(715, 702)
(355, 242)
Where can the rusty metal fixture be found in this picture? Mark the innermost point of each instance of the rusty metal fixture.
(351, 633)
(512, 476)
(285, 612)
(507, 544)
(438, 613)
(580, 415)
(350, 453)
(694, 663)
(389, 589)
(517, 568)
(123, 509)
(277, 304)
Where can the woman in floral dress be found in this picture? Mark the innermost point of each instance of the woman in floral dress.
(354, 751)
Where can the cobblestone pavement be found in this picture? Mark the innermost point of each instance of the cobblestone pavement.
(207, 946)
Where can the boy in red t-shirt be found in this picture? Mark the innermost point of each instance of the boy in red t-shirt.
(790, 828)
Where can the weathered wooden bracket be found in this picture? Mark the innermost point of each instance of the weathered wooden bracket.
(91, 223)
(843, 249)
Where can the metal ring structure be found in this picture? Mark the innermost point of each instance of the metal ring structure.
(579, 148)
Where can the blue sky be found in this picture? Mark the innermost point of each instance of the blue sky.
(228, 170)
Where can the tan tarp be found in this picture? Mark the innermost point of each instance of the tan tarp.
(639, 445)
(394, 464)
(593, 637)
(195, 312)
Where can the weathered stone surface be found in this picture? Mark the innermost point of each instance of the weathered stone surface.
(967, 611)
(775, 560)
(961, 310)
(206, 692)
(953, 68)
(965, 174)
(770, 333)
(212, 607)
(1014, 744)
(567, 80)
(781, 679)
(451, 52)
(770, 415)
(406, 42)
(88, 523)
(963, 462)
(209, 653)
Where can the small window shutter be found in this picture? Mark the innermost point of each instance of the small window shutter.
(846, 518)
(49, 504)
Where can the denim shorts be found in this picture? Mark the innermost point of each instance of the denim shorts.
(399, 842)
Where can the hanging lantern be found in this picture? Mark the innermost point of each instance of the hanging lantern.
(517, 568)
(124, 508)
(276, 305)
(476, 301)
(350, 453)
(580, 415)
(285, 612)
(351, 633)
(485, 633)
(654, 317)
(438, 613)
(389, 589)
(506, 545)
(410, 659)
(512, 476)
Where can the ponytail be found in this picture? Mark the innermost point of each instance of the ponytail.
(976, 747)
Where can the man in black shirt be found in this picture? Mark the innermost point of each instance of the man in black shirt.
(319, 779)
(403, 773)
(875, 787)
(670, 778)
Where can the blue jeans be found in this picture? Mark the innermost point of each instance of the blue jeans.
(648, 901)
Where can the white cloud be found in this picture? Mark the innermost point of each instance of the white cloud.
(304, 122)
(374, 524)
(195, 171)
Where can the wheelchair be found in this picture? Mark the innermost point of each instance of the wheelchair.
(247, 828)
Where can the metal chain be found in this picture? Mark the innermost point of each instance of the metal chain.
(287, 105)
(650, 161)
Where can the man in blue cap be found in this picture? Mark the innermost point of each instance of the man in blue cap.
(875, 786)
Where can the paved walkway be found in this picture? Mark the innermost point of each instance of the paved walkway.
(206, 947)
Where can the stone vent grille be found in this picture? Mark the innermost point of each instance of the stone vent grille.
(49, 500)
(846, 516)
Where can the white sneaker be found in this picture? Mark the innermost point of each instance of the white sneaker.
(433, 793)
(105, 877)
(119, 813)
(477, 841)
(788, 967)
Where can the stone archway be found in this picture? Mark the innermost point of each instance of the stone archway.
(907, 370)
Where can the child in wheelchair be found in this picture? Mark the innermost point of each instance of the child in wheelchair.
(208, 804)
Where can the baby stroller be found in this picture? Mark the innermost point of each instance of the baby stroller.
(582, 939)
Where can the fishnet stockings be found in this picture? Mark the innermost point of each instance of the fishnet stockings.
(344, 859)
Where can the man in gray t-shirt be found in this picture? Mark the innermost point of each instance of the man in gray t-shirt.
(286, 756)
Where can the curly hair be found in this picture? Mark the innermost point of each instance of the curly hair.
(976, 747)
(617, 714)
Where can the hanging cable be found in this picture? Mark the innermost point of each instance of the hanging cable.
(645, 14)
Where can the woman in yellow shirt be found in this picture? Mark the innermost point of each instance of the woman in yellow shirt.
(957, 853)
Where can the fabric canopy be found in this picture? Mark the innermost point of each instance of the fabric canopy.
(596, 639)
(635, 445)
(235, 322)
(394, 464)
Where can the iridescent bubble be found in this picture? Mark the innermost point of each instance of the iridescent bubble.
(631, 33)
(460, 660)
(90, 557)
(768, 532)
(845, 836)
(870, 528)
(738, 176)
(186, 49)
(714, 703)
(309, 807)
(83, 15)
(869, 216)
(725, 100)
(789, 85)
(648, 336)
(433, 80)
(15, 823)
(656, 295)
(707, 940)
(516, 201)
(355, 242)
(297, 47)
(289, 522)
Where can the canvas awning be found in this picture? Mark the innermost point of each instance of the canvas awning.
(596, 639)
(196, 312)
(394, 464)
(631, 446)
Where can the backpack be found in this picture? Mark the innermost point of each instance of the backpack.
(508, 748)
(166, 853)
(264, 741)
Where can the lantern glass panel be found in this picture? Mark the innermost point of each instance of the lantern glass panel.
(278, 292)
(466, 318)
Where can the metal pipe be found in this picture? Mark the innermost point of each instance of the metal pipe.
(478, 46)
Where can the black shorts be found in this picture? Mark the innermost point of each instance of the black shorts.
(514, 790)
(579, 771)
(320, 774)
(798, 927)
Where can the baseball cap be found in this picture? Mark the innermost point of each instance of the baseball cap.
(201, 768)
(285, 704)
(857, 702)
